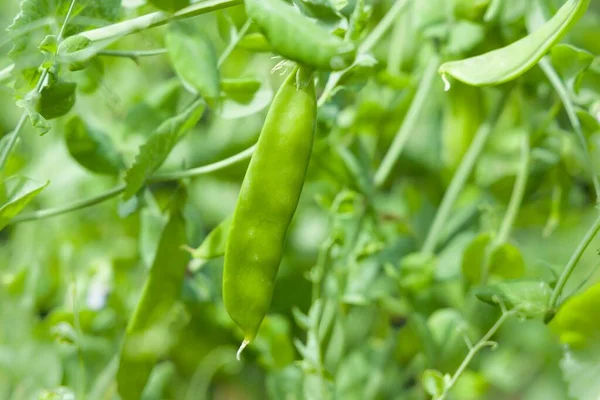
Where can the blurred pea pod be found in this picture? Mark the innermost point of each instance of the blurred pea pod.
(144, 344)
(462, 117)
(298, 38)
(510, 62)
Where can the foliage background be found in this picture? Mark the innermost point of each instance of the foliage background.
(68, 284)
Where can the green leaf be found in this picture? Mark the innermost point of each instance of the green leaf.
(152, 327)
(416, 272)
(234, 107)
(510, 62)
(320, 9)
(92, 149)
(155, 151)
(576, 324)
(68, 52)
(434, 382)
(241, 90)
(464, 36)
(56, 100)
(18, 192)
(529, 298)
(505, 261)
(194, 58)
(213, 245)
(170, 5)
(570, 61)
(49, 47)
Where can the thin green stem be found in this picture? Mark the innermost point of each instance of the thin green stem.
(462, 174)
(117, 190)
(12, 140)
(563, 93)
(66, 21)
(156, 19)
(514, 205)
(384, 25)
(131, 53)
(572, 264)
(370, 41)
(482, 343)
(517, 194)
(5, 73)
(409, 123)
(229, 49)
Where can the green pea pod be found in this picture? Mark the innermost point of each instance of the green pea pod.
(161, 291)
(267, 201)
(297, 38)
(510, 62)
(213, 246)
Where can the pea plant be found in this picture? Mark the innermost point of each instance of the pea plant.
(299, 199)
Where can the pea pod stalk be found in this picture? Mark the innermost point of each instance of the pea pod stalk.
(267, 202)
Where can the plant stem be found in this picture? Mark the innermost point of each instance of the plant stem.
(131, 53)
(172, 176)
(5, 72)
(7, 148)
(227, 52)
(517, 194)
(370, 41)
(563, 93)
(564, 277)
(462, 174)
(511, 213)
(408, 125)
(483, 342)
(384, 25)
(38, 88)
(156, 19)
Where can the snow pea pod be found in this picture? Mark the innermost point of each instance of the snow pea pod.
(267, 202)
(161, 292)
(510, 62)
(297, 38)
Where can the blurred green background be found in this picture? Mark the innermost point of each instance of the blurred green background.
(69, 284)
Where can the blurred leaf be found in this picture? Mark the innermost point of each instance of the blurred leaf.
(416, 272)
(576, 325)
(529, 298)
(236, 107)
(170, 5)
(255, 42)
(464, 36)
(155, 151)
(214, 243)
(503, 261)
(194, 58)
(92, 149)
(570, 61)
(19, 192)
(56, 99)
(434, 382)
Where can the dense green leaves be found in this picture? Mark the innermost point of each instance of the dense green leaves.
(512, 61)
(155, 151)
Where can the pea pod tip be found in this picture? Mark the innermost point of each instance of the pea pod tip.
(245, 343)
